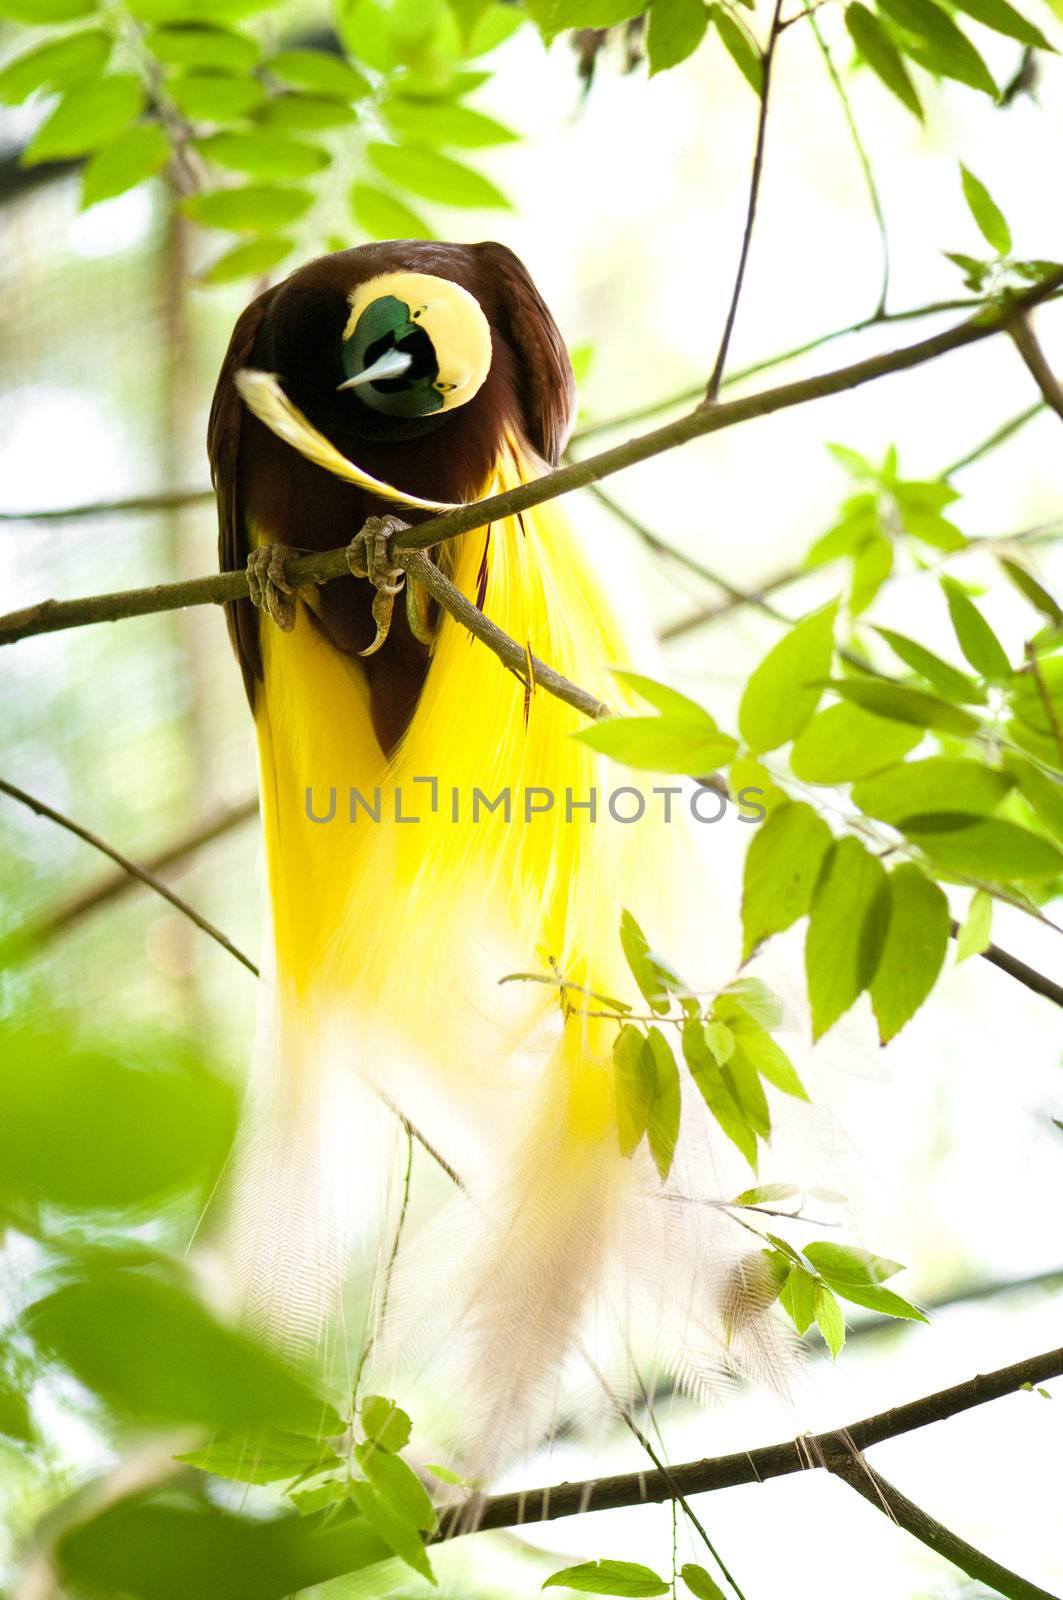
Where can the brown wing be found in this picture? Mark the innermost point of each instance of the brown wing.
(549, 389)
(223, 451)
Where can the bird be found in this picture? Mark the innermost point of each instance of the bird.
(429, 829)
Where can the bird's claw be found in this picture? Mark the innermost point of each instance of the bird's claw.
(369, 556)
(268, 586)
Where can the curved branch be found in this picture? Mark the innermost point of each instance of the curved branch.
(914, 1520)
(828, 1450)
(48, 616)
(42, 810)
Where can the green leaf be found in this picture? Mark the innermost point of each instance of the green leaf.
(330, 1493)
(663, 1131)
(765, 1193)
(382, 216)
(992, 849)
(398, 1534)
(756, 1045)
(397, 1485)
(251, 260)
(676, 29)
(262, 155)
(914, 952)
(946, 679)
(436, 177)
(785, 688)
(977, 928)
(664, 698)
(16, 1420)
(173, 1547)
(444, 124)
(39, 13)
(155, 1355)
(216, 49)
(944, 49)
(986, 213)
(385, 1423)
(556, 16)
(1003, 18)
(635, 1079)
(843, 742)
(88, 116)
(654, 977)
(846, 931)
(876, 1299)
(798, 1299)
(882, 55)
(715, 1090)
(872, 565)
(265, 1455)
(976, 638)
(318, 73)
(749, 1000)
(782, 865)
(934, 787)
(302, 113)
(701, 1586)
(742, 50)
(1035, 592)
(608, 1577)
(57, 65)
(88, 1129)
(829, 1318)
(255, 208)
(900, 704)
(932, 529)
(1043, 793)
(660, 744)
(846, 1263)
(137, 154)
(214, 97)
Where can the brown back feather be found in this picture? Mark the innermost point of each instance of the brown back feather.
(548, 386)
(223, 451)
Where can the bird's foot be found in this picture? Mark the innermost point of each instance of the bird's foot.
(369, 556)
(267, 583)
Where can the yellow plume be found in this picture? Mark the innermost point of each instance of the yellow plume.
(390, 936)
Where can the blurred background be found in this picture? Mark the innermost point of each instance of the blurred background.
(629, 204)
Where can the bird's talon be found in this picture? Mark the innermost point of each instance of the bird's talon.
(268, 586)
(369, 556)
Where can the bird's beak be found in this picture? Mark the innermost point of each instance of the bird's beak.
(392, 364)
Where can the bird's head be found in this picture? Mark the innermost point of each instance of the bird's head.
(414, 344)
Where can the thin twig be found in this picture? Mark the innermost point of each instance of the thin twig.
(766, 60)
(1051, 715)
(49, 616)
(998, 436)
(914, 1520)
(770, 1461)
(115, 884)
(879, 314)
(42, 810)
(175, 500)
(1029, 347)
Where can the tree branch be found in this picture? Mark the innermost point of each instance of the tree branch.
(141, 873)
(766, 60)
(770, 1461)
(115, 884)
(914, 1520)
(49, 616)
(1027, 344)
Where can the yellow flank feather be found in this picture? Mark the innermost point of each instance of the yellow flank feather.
(390, 938)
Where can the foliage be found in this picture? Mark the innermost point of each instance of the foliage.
(297, 144)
